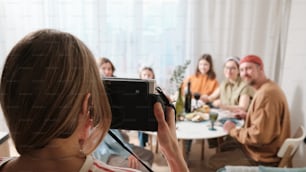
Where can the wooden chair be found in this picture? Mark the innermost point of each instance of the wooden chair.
(289, 148)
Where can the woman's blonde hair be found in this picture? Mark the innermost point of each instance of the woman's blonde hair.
(44, 82)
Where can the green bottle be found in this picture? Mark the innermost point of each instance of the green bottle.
(179, 105)
(188, 97)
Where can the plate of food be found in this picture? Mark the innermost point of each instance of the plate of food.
(197, 116)
(203, 109)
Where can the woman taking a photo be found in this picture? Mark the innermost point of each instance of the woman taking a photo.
(56, 107)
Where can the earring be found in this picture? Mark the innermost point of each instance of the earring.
(81, 151)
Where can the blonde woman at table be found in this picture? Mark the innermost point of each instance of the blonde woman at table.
(233, 94)
(62, 107)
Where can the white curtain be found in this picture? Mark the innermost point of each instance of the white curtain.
(238, 27)
(157, 33)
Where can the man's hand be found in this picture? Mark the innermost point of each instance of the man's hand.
(240, 114)
(228, 126)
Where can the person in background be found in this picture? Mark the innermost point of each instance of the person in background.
(267, 122)
(145, 73)
(233, 94)
(203, 82)
(109, 151)
(62, 107)
(112, 153)
(106, 67)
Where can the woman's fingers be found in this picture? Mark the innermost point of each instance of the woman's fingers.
(170, 117)
(159, 113)
(165, 118)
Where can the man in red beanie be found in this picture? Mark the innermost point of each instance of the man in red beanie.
(267, 122)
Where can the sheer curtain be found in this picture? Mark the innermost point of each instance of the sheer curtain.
(157, 33)
(132, 33)
(224, 28)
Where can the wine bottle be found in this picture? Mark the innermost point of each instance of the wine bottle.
(179, 105)
(188, 97)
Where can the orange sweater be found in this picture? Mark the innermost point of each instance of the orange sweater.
(201, 84)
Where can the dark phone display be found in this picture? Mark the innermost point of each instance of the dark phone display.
(131, 104)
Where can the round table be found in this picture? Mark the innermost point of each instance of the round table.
(198, 130)
(189, 130)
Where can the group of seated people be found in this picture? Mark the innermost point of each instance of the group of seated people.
(250, 95)
(232, 94)
(58, 115)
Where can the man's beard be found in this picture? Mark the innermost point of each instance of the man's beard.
(249, 80)
(252, 82)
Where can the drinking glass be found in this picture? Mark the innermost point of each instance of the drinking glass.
(197, 98)
(213, 118)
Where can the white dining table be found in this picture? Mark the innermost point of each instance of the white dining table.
(198, 130)
(189, 130)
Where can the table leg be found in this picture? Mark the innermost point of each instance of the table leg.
(220, 141)
(202, 149)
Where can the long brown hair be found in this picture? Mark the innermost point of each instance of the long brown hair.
(44, 81)
(211, 73)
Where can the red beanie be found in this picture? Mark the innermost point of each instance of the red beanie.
(252, 59)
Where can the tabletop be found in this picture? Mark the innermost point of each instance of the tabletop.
(200, 130)
(190, 130)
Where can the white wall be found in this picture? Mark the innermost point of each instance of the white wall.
(293, 79)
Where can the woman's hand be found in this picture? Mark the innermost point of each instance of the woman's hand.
(205, 98)
(217, 103)
(167, 138)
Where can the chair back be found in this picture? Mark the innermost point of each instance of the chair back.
(289, 147)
